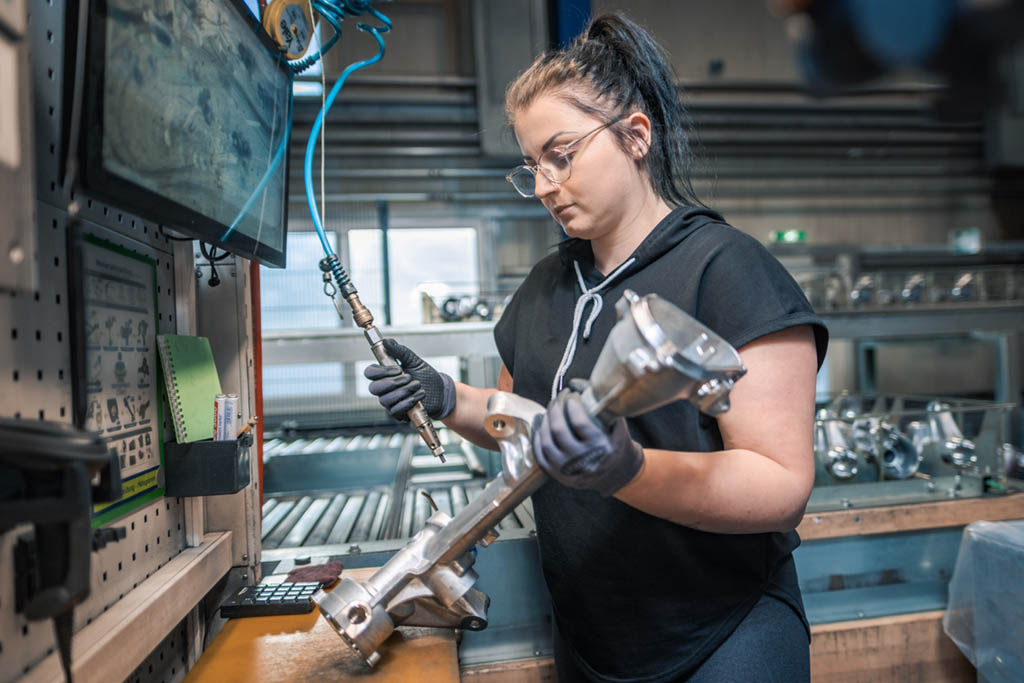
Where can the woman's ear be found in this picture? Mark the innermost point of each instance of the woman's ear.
(639, 134)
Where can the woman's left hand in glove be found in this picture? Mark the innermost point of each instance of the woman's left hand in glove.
(576, 450)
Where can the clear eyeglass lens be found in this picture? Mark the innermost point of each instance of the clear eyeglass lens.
(524, 182)
(556, 165)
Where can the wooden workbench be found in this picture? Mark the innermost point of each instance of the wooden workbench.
(303, 647)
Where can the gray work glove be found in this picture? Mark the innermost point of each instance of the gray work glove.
(577, 451)
(399, 388)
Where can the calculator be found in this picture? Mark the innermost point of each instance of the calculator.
(264, 600)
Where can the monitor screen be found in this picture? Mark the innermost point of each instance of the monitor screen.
(187, 114)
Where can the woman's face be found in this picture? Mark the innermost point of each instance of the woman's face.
(605, 180)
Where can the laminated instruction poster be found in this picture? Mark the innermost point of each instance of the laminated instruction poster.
(121, 368)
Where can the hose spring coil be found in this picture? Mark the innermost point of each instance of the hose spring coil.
(332, 264)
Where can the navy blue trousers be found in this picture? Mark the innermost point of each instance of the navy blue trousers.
(769, 646)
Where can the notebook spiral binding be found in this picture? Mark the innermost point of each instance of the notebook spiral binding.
(173, 393)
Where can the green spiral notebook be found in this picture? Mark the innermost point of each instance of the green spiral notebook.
(190, 376)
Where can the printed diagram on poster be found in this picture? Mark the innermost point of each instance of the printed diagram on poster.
(122, 391)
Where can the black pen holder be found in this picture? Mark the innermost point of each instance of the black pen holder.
(207, 468)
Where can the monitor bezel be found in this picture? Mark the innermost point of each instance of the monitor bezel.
(147, 204)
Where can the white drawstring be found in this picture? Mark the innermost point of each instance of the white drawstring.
(577, 315)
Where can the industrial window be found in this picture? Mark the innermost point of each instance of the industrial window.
(302, 379)
(292, 298)
(436, 262)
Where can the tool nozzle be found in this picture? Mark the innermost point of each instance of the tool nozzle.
(420, 420)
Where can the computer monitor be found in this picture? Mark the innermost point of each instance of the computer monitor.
(186, 120)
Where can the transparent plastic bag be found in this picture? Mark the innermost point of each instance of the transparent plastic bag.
(985, 614)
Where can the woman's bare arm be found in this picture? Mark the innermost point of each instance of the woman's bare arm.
(762, 479)
(471, 407)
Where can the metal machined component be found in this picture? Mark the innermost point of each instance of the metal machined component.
(831, 447)
(652, 346)
(886, 445)
(863, 291)
(655, 354)
(964, 287)
(946, 437)
(845, 406)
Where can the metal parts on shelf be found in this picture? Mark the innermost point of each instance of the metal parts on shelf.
(655, 354)
(830, 445)
(845, 278)
(946, 439)
(897, 453)
(902, 449)
(470, 307)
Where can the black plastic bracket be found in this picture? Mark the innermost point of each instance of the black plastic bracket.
(207, 468)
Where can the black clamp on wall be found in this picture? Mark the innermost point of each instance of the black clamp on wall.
(47, 470)
(207, 468)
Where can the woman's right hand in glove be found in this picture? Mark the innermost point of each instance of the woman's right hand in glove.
(399, 388)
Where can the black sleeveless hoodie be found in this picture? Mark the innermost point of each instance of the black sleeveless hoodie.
(636, 597)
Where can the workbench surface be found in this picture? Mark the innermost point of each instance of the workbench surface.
(303, 647)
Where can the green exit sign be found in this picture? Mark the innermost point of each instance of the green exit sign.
(788, 236)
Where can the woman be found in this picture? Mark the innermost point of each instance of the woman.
(668, 555)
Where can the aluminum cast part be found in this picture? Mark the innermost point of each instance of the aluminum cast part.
(845, 406)
(884, 444)
(831, 446)
(430, 581)
(1013, 460)
(947, 439)
(655, 354)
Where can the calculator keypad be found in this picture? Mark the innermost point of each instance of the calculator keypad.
(268, 600)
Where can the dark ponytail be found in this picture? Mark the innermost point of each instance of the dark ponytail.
(623, 69)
